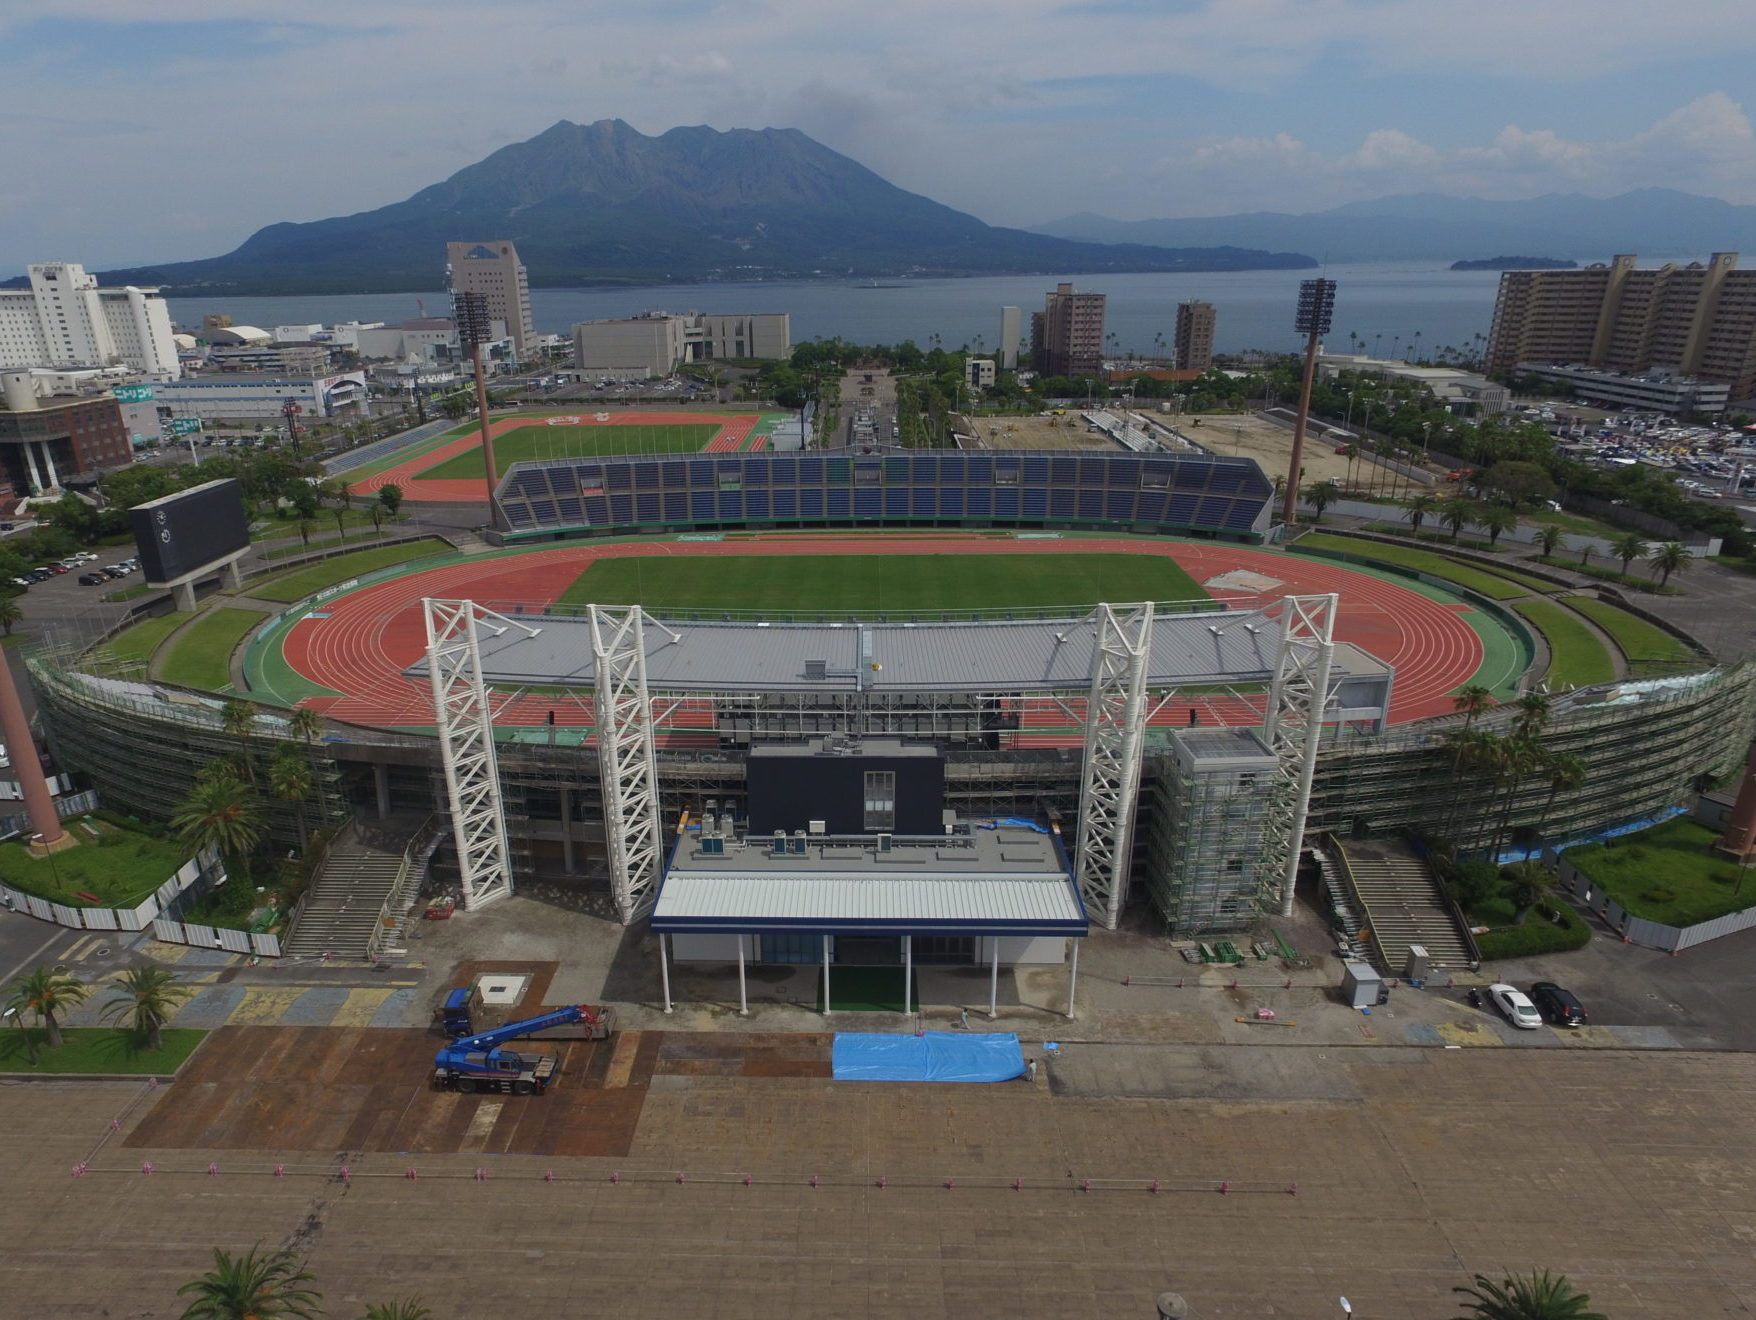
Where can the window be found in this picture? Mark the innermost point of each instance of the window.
(880, 799)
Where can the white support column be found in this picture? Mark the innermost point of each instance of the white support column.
(466, 743)
(1114, 735)
(826, 976)
(1294, 726)
(908, 972)
(30, 458)
(994, 981)
(627, 761)
(49, 463)
(665, 972)
(1073, 979)
(743, 987)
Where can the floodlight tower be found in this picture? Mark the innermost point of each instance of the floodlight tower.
(1316, 307)
(470, 311)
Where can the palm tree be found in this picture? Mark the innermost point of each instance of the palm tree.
(1320, 495)
(146, 996)
(306, 725)
(1471, 700)
(252, 1287)
(1628, 547)
(290, 779)
(1542, 1296)
(1455, 513)
(1671, 557)
(1419, 509)
(404, 1308)
(1498, 519)
(1533, 715)
(1566, 774)
(1550, 539)
(10, 614)
(239, 720)
(43, 993)
(223, 815)
(1585, 549)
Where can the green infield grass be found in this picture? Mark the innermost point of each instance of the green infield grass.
(528, 443)
(888, 584)
(200, 656)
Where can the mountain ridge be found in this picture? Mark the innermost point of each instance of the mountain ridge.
(602, 203)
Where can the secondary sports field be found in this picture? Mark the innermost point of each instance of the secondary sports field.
(449, 468)
(889, 583)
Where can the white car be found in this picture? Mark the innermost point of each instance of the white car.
(1516, 1005)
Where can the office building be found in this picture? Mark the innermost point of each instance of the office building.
(64, 320)
(43, 441)
(1648, 391)
(1464, 393)
(1193, 347)
(1067, 336)
(493, 270)
(262, 395)
(1693, 320)
(979, 373)
(1011, 335)
(656, 343)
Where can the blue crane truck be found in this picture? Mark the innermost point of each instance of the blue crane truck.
(477, 1063)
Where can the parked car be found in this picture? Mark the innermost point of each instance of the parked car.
(40, 575)
(55, 568)
(21, 581)
(115, 571)
(1518, 1010)
(1562, 1007)
(92, 579)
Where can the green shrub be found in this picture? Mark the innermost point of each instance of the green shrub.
(1536, 937)
(1659, 895)
(1637, 852)
(1725, 877)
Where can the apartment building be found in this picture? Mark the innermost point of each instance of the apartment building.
(1193, 347)
(1067, 336)
(493, 270)
(65, 320)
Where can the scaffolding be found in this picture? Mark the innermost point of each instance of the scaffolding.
(1208, 869)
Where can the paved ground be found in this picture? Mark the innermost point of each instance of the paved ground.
(1633, 1173)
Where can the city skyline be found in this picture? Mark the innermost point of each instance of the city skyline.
(201, 126)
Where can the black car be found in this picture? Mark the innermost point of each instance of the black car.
(92, 579)
(1561, 1007)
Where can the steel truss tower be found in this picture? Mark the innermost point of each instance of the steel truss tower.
(1294, 727)
(1115, 727)
(627, 760)
(466, 743)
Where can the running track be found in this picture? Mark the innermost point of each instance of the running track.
(368, 637)
(734, 429)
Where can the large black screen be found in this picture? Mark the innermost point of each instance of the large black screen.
(182, 532)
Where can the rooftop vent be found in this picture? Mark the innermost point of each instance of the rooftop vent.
(817, 669)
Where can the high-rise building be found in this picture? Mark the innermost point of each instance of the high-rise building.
(1011, 332)
(1067, 336)
(1193, 350)
(1698, 320)
(64, 320)
(493, 270)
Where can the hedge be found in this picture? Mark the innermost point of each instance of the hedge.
(1536, 936)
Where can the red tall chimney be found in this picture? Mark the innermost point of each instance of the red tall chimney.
(22, 748)
(1739, 839)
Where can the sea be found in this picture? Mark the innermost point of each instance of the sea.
(1379, 308)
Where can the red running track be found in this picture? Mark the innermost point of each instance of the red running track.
(368, 637)
(734, 428)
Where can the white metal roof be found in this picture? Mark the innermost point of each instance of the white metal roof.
(832, 903)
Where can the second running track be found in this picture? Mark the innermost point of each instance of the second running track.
(350, 655)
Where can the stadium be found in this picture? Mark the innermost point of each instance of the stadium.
(1099, 643)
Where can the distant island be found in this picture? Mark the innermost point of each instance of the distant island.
(1516, 263)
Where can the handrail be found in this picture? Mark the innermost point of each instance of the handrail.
(398, 898)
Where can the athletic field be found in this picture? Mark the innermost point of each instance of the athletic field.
(528, 443)
(889, 583)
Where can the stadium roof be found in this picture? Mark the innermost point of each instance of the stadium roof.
(1045, 655)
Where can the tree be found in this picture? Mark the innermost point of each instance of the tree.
(290, 779)
(43, 993)
(1671, 557)
(1566, 774)
(375, 511)
(239, 719)
(1533, 715)
(145, 997)
(1550, 539)
(404, 1308)
(259, 1285)
(10, 614)
(1498, 519)
(306, 526)
(1542, 1296)
(390, 496)
(1455, 513)
(1420, 508)
(1585, 548)
(1628, 547)
(342, 495)
(1516, 482)
(1471, 700)
(1320, 495)
(306, 725)
(221, 815)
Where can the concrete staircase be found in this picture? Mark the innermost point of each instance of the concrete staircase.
(341, 912)
(466, 542)
(1402, 904)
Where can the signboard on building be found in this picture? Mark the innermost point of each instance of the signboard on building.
(133, 393)
(185, 425)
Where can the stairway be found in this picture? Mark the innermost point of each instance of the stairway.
(466, 542)
(1404, 905)
(341, 912)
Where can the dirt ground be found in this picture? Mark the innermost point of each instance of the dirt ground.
(1067, 432)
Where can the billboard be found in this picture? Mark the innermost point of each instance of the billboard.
(182, 533)
(133, 393)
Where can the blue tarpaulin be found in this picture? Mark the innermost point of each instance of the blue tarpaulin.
(937, 1056)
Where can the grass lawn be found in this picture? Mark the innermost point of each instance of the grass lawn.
(96, 1050)
(1575, 523)
(298, 583)
(121, 873)
(1675, 857)
(1534, 936)
(135, 592)
(201, 655)
(891, 584)
(537, 442)
(1495, 586)
(136, 644)
(326, 543)
(1640, 641)
(1576, 657)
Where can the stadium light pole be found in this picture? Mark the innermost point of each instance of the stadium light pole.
(1316, 308)
(470, 311)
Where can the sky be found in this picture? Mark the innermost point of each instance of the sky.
(140, 133)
